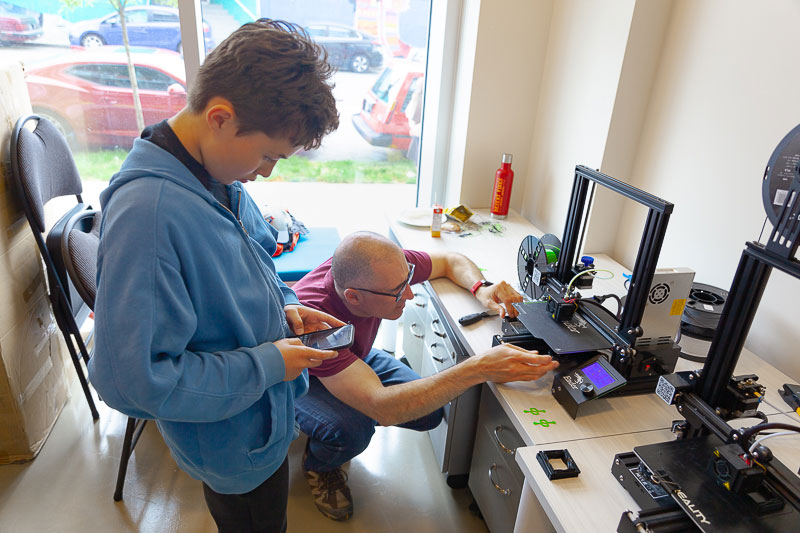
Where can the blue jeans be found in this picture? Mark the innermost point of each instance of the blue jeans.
(337, 432)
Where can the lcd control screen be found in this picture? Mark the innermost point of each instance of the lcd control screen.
(598, 375)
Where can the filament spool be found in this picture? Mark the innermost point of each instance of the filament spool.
(703, 311)
(535, 254)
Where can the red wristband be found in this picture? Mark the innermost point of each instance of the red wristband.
(478, 284)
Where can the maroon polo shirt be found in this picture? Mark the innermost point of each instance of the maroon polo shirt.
(316, 290)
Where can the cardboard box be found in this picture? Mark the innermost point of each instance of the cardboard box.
(33, 386)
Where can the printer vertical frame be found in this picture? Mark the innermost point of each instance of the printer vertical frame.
(655, 228)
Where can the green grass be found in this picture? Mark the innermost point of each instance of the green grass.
(102, 164)
(99, 165)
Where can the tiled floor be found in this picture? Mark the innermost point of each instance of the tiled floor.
(68, 488)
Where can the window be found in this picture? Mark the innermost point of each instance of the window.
(316, 31)
(138, 16)
(388, 84)
(103, 74)
(341, 33)
(379, 50)
(160, 16)
(372, 44)
(150, 79)
(413, 89)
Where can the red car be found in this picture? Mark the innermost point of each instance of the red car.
(19, 24)
(383, 120)
(88, 95)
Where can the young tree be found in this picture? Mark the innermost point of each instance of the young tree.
(119, 6)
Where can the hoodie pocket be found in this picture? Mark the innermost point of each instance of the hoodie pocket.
(281, 412)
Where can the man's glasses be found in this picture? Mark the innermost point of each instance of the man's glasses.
(399, 293)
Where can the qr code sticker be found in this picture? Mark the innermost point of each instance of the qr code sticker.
(665, 390)
(537, 277)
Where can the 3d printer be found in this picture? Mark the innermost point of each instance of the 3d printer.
(715, 477)
(599, 350)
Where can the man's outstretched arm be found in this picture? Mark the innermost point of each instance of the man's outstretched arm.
(359, 387)
(463, 272)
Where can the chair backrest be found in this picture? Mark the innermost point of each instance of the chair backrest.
(42, 168)
(79, 243)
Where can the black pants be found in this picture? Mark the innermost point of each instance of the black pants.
(263, 509)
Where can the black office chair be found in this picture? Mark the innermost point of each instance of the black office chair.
(78, 249)
(42, 168)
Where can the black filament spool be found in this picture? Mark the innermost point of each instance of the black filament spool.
(532, 255)
(703, 310)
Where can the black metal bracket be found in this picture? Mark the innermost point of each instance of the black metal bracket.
(544, 458)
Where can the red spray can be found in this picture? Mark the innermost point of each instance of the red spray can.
(503, 179)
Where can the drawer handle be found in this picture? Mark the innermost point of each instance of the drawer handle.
(433, 347)
(509, 451)
(411, 329)
(420, 304)
(498, 488)
(435, 331)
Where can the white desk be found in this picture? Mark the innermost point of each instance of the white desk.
(601, 498)
(611, 424)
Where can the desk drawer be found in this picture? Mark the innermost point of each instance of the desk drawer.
(504, 437)
(493, 484)
(495, 478)
(415, 316)
(438, 341)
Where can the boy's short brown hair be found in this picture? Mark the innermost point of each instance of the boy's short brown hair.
(276, 78)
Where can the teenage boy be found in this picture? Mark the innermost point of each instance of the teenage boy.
(367, 280)
(191, 318)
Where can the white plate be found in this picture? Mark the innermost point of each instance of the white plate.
(419, 216)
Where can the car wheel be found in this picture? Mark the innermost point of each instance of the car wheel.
(359, 63)
(92, 40)
(60, 124)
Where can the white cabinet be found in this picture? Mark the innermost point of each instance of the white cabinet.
(431, 347)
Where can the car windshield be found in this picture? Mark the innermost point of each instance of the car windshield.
(388, 84)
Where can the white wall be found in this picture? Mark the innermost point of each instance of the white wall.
(727, 90)
(500, 66)
(585, 51)
(685, 99)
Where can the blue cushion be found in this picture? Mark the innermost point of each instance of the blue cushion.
(311, 251)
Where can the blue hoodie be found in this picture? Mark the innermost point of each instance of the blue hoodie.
(188, 304)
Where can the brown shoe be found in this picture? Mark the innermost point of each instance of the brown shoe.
(331, 493)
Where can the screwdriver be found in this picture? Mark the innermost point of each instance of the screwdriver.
(466, 320)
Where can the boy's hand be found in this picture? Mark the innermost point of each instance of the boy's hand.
(507, 362)
(297, 356)
(499, 293)
(304, 319)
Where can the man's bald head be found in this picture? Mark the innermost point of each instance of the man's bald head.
(352, 264)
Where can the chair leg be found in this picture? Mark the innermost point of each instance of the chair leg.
(132, 433)
(81, 376)
(82, 347)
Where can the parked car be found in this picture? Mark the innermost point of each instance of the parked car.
(19, 24)
(347, 47)
(87, 93)
(383, 120)
(154, 26)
